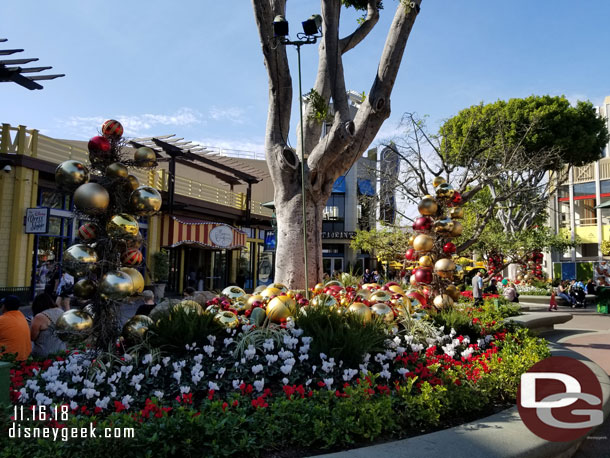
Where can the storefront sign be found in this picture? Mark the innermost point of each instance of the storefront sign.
(339, 235)
(37, 221)
(221, 236)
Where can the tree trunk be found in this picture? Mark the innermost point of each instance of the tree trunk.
(290, 259)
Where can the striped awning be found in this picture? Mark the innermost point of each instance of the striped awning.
(178, 230)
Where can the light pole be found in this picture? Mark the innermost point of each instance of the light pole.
(311, 33)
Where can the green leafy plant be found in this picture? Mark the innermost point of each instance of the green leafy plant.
(160, 267)
(182, 327)
(341, 336)
(458, 320)
(320, 110)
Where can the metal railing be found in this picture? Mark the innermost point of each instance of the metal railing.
(19, 140)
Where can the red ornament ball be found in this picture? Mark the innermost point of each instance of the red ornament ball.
(410, 254)
(456, 199)
(112, 129)
(99, 145)
(422, 224)
(132, 257)
(449, 248)
(423, 276)
(87, 231)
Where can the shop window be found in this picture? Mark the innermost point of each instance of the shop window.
(589, 250)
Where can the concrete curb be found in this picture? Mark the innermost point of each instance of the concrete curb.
(502, 435)
(541, 321)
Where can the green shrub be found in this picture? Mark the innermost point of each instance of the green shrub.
(458, 320)
(341, 336)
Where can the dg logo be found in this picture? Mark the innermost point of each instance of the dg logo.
(560, 399)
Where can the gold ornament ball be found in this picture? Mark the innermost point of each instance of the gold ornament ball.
(74, 326)
(227, 319)
(268, 292)
(442, 301)
(255, 298)
(452, 292)
(428, 206)
(136, 328)
(380, 296)
(364, 312)
(283, 288)
(412, 281)
(365, 294)
(79, 259)
(396, 289)
(278, 309)
(84, 288)
(136, 278)
(444, 191)
(403, 306)
(324, 300)
(145, 201)
(242, 304)
(69, 175)
(259, 289)
(456, 213)
(117, 170)
(443, 226)
(116, 285)
(133, 182)
(384, 311)
(334, 283)
(145, 157)
(91, 198)
(411, 240)
(134, 243)
(438, 181)
(444, 268)
(370, 286)
(122, 226)
(318, 288)
(189, 307)
(425, 262)
(457, 229)
(233, 292)
(423, 243)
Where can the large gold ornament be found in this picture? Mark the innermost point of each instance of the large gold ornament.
(74, 326)
(227, 319)
(189, 307)
(444, 268)
(259, 289)
(283, 288)
(136, 278)
(452, 292)
(242, 304)
(396, 289)
(133, 182)
(428, 206)
(122, 226)
(380, 296)
(438, 181)
(384, 311)
(233, 292)
(145, 201)
(457, 229)
(403, 306)
(79, 260)
(69, 175)
(117, 170)
(411, 240)
(279, 308)
(423, 243)
(442, 301)
(425, 262)
(136, 328)
(444, 191)
(268, 292)
(84, 288)
(364, 312)
(145, 157)
(91, 198)
(334, 283)
(364, 294)
(443, 226)
(116, 285)
(456, 213)
(135, 242)
(255, 298)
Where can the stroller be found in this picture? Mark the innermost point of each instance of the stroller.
(579, 295)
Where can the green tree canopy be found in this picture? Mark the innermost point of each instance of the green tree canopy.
(528, 126)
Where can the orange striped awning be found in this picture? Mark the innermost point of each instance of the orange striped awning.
(179, 230)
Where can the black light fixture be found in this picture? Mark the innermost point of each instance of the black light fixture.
(312, 25)
(280, 26)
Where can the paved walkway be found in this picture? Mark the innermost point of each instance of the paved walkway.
(588, 333)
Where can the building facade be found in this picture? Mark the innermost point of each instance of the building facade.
(577, 210)
(215, 233)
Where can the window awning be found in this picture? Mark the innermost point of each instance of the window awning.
(365, 187)
(179, 230)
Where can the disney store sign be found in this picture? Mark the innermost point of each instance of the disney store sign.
(37, 221)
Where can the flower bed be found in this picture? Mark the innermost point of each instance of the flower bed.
(263, 390)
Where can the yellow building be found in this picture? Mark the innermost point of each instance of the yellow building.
(201, 200)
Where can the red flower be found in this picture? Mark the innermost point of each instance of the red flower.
(118, 406)
(224, 406)
(235, 403)
(211, 395)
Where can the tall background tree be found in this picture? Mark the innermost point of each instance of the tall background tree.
(498, 157)
(348, 137)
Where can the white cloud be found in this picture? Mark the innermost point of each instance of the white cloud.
(233, 114)
(134, 125)
(252, 148)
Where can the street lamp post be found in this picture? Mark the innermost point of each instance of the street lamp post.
(310, 35)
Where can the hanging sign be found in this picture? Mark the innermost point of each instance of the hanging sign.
(37, 220)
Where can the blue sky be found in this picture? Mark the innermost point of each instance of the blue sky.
(195, 69)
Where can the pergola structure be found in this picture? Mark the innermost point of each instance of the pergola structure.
(11, 70)
(177, 150)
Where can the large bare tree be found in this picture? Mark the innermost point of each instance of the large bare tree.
(348, 137)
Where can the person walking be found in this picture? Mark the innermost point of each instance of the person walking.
(553, 301)
(477, 288)
(42, 331)
(64, 291)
